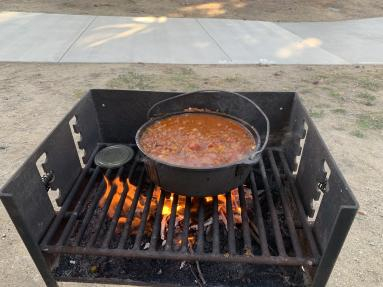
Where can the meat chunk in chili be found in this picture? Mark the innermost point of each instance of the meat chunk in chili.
(197, 140)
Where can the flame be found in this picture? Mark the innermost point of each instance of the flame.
(102, 201)
(191, 240)
(117, 197)
(119, 185)
(167, 208)
(235, 205)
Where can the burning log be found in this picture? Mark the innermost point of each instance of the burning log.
(164, 223)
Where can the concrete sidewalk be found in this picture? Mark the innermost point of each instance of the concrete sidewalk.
(39, 37)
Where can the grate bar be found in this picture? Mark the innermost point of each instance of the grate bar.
(185, 234)
(245, 221)
(258, 210)
(92, 208)
(130, 253)
(301, 211)
(119, 207)
(131, 212)
(74, 215)
(201, 221)
(103, 215)
(157, 222)
(116, 216)
(105, 209)
(230, 224)
(273, 213)
(144, 218)
(61, 214)
(87, 203)
(172, 221)
(215, 226)
(284, 199)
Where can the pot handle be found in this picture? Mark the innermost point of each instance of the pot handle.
(253, 156)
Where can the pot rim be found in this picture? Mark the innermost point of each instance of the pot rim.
(245, 124)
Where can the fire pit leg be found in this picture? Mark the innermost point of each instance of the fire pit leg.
(337, 238)
(44, 270)
(32, 246)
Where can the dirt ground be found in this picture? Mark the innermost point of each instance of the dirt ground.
(271, 10)
(344, 101)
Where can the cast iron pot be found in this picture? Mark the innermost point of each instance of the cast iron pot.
(196, 181)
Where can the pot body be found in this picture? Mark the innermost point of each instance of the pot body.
(204, 181)
(196, 182)
(199, 181)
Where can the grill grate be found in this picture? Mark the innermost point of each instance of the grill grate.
(275, 211)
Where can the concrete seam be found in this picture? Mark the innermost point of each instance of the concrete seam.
(78, 37)
(215, 41)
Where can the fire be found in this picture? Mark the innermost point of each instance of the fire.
(235, 205)
(117, 197)
(166, 210)
(191, 240)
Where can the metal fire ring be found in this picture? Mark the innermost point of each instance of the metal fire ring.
(114, 156)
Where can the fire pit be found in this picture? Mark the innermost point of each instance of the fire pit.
(284, 226)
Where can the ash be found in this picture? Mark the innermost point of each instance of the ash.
(155, 271)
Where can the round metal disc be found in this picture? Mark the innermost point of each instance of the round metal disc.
(114, 156)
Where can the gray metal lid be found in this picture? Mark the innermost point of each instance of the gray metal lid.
(114, 156)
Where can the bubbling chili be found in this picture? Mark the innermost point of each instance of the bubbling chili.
(197, 140)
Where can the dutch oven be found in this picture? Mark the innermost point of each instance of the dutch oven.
(205, 181)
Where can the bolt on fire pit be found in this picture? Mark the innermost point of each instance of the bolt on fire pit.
(292, 213)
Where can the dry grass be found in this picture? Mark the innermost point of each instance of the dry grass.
(271, 10)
